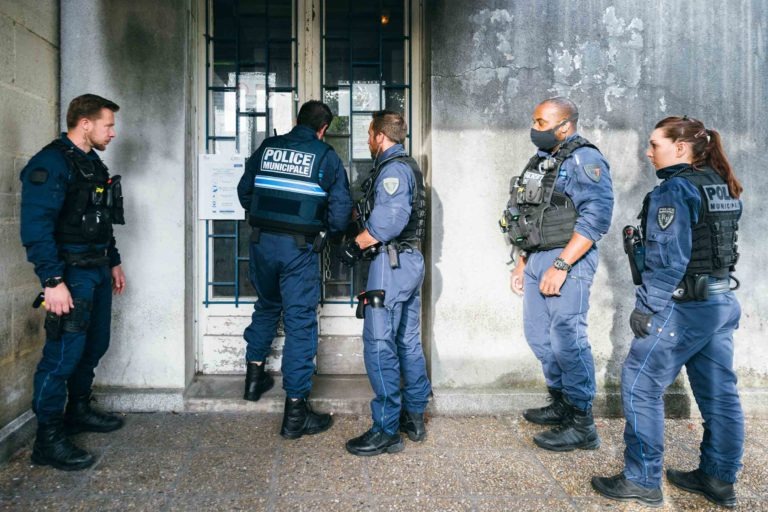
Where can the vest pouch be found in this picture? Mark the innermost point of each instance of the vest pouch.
(533, 193)
(557, 226)
(93, 224)
(115, 200)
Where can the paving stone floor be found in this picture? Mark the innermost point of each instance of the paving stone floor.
(201, 462)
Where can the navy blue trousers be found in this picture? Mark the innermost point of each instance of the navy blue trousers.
(392, 341)
(68, 363)
(699, 336)
(287, 280)
(556, 327)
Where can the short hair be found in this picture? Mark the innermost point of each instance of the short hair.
(390, 123)
(314, 114)
(565, 106)
(88, 106)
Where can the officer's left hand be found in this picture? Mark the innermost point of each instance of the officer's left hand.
(552, 281)
(350, 252)
(118, 280)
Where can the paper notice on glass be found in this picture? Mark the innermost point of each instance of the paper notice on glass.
(360, 124)
(366, 96)
(217, 187)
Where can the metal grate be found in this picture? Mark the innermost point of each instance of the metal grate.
(365, 66)
(251, 76)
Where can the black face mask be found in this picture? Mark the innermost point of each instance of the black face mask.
(546, 139)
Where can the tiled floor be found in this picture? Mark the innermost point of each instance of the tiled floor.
(201, 462)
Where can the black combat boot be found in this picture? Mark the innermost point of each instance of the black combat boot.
(300, 419)
(552, 414)
(257, 381)
(374, 443)
(412, 423)
(619, 488)
(716, 491)
(52, 448)
(577, 431)
(80, 417)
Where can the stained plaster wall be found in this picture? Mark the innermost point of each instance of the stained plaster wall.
(627, 65)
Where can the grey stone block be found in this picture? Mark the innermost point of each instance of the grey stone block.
(27, 124)
(7, 50)
(7, 340)
(37, 64)
(40, 16)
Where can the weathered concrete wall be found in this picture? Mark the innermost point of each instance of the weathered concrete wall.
(136, 53)
(29, 105)
(626, 64)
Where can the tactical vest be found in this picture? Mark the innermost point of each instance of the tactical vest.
(288, 195)
(415, 230)
(714, 251)
(538, 217)
(93, 201)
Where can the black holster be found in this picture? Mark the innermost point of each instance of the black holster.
(373, 298)
(692, 287)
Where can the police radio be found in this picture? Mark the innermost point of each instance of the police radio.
(635, 250)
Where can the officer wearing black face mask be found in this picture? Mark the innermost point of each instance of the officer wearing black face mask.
(559, 208)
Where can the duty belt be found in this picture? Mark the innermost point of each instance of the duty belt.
(90, 259)
(690, 290)
(400, 246)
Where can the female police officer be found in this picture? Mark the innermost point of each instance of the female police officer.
(685, 314)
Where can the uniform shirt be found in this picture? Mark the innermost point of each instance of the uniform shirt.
(585, 177)
(41, 204)
(333, 179)
(668, 242)
(393, 195)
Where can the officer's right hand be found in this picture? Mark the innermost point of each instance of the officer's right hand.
(58, 300)
(640, 323)
(516, 279)
(350, 252)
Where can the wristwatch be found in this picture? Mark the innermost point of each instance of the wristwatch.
(560, 264)
(53, 282)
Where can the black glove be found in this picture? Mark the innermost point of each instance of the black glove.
(350, 252)
(640, 323)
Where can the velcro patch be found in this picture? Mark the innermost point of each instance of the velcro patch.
(665, 216)
(719, 199)
(390, 185)
(38, 176)
(593, 172)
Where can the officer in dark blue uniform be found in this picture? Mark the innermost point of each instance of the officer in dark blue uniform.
(296, 193)
(559, 208)
(68, 205)
(685, 314)
(393, 221)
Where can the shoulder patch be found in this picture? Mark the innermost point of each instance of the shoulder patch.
(593, 172)
(390, 185)
(665, 216)
(38, 176)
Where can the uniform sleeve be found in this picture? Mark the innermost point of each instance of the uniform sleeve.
(339, 197)
(245, 186)
(590, 188)
(43, 189)
(673, 210)
(392, 206)
(113, 254)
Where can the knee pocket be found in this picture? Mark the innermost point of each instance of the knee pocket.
(79, 318)
(377, 323)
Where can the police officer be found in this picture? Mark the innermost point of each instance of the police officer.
(559, 208)
(685, 314)
(295, 190)
(394, 221)
(69, 203)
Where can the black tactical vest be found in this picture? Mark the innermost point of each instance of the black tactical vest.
(415, 230)
(93, 201)
(288, 195)
(714, 251)
(538, 217)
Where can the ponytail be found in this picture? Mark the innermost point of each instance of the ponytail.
(717, 160)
